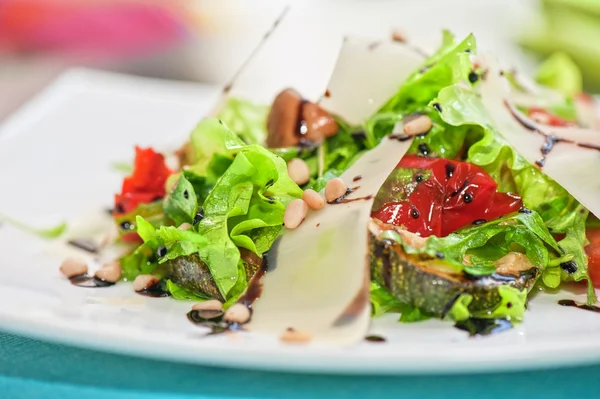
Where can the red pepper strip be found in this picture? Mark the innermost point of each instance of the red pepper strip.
(455, 195)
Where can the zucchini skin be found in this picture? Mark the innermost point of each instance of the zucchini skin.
(191, 273)
(413, 280)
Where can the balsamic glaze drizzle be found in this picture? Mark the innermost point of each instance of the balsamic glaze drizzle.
(572, 303)
(550, 140)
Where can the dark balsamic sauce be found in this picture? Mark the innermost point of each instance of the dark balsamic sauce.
(84, 244)
(357, 178)
(572, 303)
(473, 77)
(87, 281)
(479, 222)
(475, 326)
(449, 170)
(301, 125)
(327, 93)
(344, 200)
(375, 338)
(550, 140)
(255, 286)
(400, 137)
(213, 319)
(569, 267)
(155, 291)
(424, 149)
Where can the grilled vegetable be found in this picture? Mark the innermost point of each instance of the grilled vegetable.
(432, 284)
(191, 273)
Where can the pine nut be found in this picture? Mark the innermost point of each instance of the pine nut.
(334, 189)
(295, 336)
(313, 199)
(184, 226)
(110, 272)
(73, 267)
(298, 171)
(399, 35)
(212, 304)
(294, 214)
(237, 313)
(419, 125)
(144, 281)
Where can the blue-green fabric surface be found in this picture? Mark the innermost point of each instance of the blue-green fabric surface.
(33, 369)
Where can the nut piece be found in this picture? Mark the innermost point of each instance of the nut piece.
(293, 119)
(212, 304)
(298, 171)
(399, 35)
(73, 267)
(334, 189)
(293, 336)
(419, 125)
(237, 313)
(110, 272)
(294, 214)
(184, 226)
(144, 281)
(313, 199)
(512, 264)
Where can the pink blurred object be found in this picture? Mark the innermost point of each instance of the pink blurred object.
(96, 29)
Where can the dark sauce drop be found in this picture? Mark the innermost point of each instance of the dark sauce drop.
(419, 178)
(209, 319)
(479, 222)
(161, 251)
(569, 267)
(423, 148)
(357, 178)
(400, 137)
(199, 216)
(84, 244)
(255, 286)
(468, 198)
(155, 291)
(550, 140)
(327, 93)
(475, 326)
(118, 209)
(375, 338)
(572, 303)
(449, 170)
(301, 125)
(473, 77)
(437, 107)
(525, 210)
(414, 213)
(87, 281)
(126, 225)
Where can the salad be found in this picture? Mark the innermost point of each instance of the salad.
(445, 187)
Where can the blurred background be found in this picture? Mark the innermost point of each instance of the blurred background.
(208, 40)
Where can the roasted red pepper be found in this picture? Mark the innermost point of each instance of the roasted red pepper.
(445, 196)
(145, 185)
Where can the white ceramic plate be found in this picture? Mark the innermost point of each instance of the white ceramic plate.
(55, 163)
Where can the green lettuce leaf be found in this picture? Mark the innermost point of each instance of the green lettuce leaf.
(181, 203)
(511, 307)
(179, 292)
(450, 64)
(462, 107)
(560, 72)
(247, 120)
(486, 243)
(384, 302)
(49, 232)
(244, 209)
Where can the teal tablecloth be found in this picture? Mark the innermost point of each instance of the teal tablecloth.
(33, 369)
